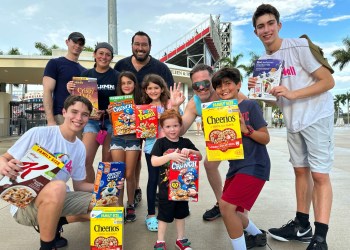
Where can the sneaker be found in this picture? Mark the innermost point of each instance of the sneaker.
(59, 240)
(212, 214)
(292, 231)
(317, 243)
(183, 244)
(160, 246)
(137, 196)
(258, 240)
(130, 214)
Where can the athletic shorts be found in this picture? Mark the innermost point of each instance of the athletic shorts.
(125, 144)
(93, 126)
(313, 146)
(75, 203)
(242, 190)
(170, 210)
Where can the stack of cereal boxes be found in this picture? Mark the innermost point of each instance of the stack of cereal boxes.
(222, 130)
(183, 180)
(123, 116)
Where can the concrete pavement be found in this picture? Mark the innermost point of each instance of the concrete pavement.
(274, 207)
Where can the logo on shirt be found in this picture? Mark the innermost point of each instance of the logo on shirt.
(106, 86)
(65, 159)
(289, 71)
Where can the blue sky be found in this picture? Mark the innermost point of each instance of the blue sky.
(25, 22)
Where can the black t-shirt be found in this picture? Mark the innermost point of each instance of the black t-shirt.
(152, 67)
(164, 146)
(256, 160)
(106, 85)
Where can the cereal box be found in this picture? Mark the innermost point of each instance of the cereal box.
(222, 130)
(105, 189)
(87, 87)
(106, 228)
(146, 121)
(183, 180)
(39, 167)
(123, 116)
(269, 73)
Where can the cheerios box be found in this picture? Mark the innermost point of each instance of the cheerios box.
(123, 114)
(183, 180)
(222, 130)
(106, 228)
(105, 187)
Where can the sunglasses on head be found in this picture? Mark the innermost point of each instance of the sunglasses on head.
(205, 84)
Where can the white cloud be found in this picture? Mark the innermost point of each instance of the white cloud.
(128, 31)
(30, 10)
(171, 18)
(334, 19)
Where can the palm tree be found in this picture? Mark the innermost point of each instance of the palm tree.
(44, 49)
(14, 51)
(249, 68)
(339, 99)
(1, 53)
(89, 48)
(346, 98)
(342, 56)
(232, 63)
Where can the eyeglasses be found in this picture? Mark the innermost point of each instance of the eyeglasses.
(205, 84)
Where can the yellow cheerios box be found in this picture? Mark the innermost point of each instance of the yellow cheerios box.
(222, 130)
(106, 228)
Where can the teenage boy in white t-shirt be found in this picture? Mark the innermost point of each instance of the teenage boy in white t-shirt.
(307, 106)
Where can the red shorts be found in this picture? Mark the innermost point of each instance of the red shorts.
(242, 190)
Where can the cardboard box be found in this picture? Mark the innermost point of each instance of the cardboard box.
(39, 167)
(183, 180)
(105, 187)
(146, 121)
(123, 114)
(106, 228)
(222, 130)
(269, 74)
(87, 87)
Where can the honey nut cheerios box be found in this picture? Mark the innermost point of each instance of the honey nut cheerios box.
(222, 130)
(146, 121)
(106, 228)
(123, 114)
(105, 187)
(183, 180)
(39, 168)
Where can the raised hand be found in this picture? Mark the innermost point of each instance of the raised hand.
(176, 95)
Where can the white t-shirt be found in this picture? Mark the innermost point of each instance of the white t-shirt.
(72, 154)
(299, 63)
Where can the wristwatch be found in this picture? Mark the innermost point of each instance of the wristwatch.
(250, 131)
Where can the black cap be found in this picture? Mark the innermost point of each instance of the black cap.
(76, 36)
(104, 45)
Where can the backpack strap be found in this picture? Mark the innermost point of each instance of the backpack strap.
(318, 53)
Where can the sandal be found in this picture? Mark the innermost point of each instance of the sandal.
(152, 223)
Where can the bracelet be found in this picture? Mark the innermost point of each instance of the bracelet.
(250, 131)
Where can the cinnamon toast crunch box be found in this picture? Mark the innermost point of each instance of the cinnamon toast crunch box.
(222, 130)
(106, 228)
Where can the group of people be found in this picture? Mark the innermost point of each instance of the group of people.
(303, 98)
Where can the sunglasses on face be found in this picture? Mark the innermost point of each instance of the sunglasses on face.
(205, 84)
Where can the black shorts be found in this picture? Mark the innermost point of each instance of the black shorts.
(170, 210)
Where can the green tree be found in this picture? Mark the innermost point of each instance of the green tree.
(338, 99)
(342, 56)
(44, 49)
(14, 51)
(346, 98)
(232, 63)
(249, 68)
(89, 49)
(1, 53)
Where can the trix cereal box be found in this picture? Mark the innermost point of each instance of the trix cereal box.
(87, 87)
(106, 228)
(105, 189)
(269, 73)
(146, 121)
(123, 116)
(222, 130)
(39, 167)
(183, 180)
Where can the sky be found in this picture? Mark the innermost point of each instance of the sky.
(25, 22)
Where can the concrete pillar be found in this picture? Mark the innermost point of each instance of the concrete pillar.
(5, 99)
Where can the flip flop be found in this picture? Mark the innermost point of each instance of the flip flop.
(152, 224)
